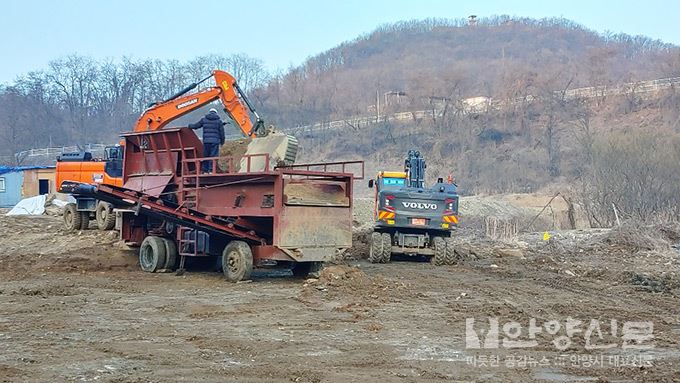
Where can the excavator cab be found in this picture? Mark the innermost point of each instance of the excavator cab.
(114, 161)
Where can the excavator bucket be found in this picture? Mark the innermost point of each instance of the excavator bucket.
(281, 149)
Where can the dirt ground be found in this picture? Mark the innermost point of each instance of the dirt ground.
(76, 308)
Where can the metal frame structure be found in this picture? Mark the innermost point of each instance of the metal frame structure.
(274, 209)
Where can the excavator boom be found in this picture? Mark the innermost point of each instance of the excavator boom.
(158, 115)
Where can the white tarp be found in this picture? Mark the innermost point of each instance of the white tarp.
(30, 206)
(62, 200)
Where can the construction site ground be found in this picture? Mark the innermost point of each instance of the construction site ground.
(76, 307)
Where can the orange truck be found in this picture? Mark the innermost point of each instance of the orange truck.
(82, 167)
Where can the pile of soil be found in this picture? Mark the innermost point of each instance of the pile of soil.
(629, 238)
(235, 149)
(362, 227)
(633, 237)
(343, 281)
(341, 275)
(322, 193)
(39, 243)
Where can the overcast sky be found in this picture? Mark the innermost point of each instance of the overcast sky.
(282, 33)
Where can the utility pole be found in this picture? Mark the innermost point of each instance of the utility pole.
(377, 105)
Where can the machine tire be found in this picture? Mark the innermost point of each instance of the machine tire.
(84, 220)
(439, 247)
(71, 217)
(306, 269)
(451, 258)
(237, 261)
(106, 218)
(376, 249)
(152, 254)
(171, 254)
(386, 248)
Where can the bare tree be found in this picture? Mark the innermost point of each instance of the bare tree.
(74, 79)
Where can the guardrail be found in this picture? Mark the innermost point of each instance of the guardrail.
(463, 107)
(58, 150)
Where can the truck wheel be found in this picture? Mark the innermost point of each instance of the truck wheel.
(376, 251)
(170, 254)
(237, 261)
(152, 254)
(84, 220)
(106, 218)
(451, 258)
(306, 269)
(386, 248)
(439, 246)
(71, 217)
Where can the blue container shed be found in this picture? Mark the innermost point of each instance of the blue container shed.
(19, 182)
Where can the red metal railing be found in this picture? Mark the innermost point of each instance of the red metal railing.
(325, 166)
(217, 165)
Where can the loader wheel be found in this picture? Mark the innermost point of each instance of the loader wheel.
(106, 218)
(84, 220)
(237, 261)
(375, 254)
(71, 218)
(152, 254)
(306, 269)
(439, 246)
(386, 248)
(451, 258)
(171, 254)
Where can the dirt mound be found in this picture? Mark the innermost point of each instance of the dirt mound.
(235, 149)
(361, 235)
(340, 275)
(629, 238)
(39, 243)
(353, 284)
(632, 237)
(92, 259)
(362, 227)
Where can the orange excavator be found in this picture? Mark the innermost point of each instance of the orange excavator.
(82, 167)
(235, 102)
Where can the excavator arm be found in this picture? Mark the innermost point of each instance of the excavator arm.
(235, 102)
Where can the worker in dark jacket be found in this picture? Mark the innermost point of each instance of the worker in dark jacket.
(213, 137)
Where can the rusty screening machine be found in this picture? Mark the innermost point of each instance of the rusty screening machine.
(249, 212)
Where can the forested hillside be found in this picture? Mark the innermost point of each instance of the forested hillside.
(433, 60)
